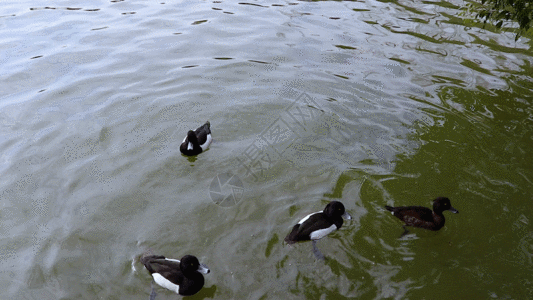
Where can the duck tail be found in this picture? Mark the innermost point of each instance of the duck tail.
(289, 241)
(389, 208)
(292, 237)
(146, 254)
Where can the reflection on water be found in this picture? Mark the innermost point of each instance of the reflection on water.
(371, 103)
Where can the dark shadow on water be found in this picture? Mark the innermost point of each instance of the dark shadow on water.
(191, 159)
(205, 293)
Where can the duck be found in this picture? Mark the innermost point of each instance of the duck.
(183, 277)
(317, 225)
(197, 141)
(423, 217)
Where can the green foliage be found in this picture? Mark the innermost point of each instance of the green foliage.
(498, 11)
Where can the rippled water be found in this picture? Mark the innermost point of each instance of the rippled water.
(371, 103)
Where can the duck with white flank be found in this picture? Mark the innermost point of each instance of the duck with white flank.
(317, 225)
(197, 141)
(182, 277)
(423, 217)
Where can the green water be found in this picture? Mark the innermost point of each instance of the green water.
(369, 103)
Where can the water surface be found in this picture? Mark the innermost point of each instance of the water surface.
(371, 103)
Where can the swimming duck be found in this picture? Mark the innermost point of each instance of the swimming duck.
(182, 277)
(317, 225)
(197, 141)
(423, 217)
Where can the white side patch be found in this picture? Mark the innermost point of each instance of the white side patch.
(172, 259)
(316, 235)
(184, 139)
(307, 217)
(162, 281)
(207, 142)
(189, 146)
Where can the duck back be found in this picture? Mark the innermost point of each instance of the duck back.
(418, 216)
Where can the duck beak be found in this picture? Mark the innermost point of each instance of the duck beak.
(453, 210)
(203, 269)
(346, 216)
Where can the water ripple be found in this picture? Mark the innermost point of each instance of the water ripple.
(369, 103)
